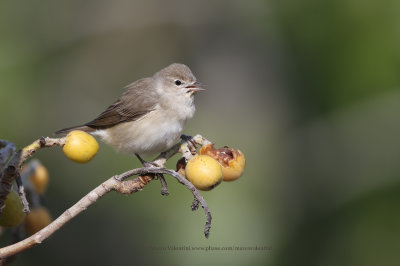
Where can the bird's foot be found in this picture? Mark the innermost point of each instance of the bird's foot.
(164, 187)
(192, 145)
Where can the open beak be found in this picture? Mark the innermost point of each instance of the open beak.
(195, 87)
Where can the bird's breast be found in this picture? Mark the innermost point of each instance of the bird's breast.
(155, 132)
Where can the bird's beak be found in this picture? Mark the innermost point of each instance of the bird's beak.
(195, 87)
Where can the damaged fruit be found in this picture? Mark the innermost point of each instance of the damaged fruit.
(232, 161)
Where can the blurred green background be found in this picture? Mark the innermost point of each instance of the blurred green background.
(308, 90)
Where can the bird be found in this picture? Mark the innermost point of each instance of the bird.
(150, 115)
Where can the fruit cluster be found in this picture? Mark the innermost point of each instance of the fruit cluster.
(205, 170)
(212, 166)
(79, 147)
(37, 179)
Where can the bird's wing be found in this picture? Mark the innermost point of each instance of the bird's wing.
(135, 102)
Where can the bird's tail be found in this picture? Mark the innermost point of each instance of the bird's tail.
(65, 131)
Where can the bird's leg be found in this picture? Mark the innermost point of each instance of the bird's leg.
(192, 145)
(164, 189)
(145, 163)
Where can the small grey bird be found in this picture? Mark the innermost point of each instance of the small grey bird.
(150, 115)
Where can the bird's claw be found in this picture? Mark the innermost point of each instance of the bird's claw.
(192, 145)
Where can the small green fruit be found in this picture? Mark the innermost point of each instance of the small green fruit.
(13, 213)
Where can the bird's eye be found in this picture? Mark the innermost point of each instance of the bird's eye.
(178, 82)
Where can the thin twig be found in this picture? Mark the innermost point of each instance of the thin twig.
(47, 142)
(181, 179)
(21, 193)
(26, 171)
(198, 198)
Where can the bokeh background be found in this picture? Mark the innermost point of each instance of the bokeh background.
(308, 90)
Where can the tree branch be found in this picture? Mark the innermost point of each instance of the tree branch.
(113, 183)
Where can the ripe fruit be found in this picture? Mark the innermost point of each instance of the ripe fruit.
(40, 179)
(80, 147)
(203, 172)
(36, 220)
(13, 213)
(231, 161)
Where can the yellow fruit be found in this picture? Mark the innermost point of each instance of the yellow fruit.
(13, 213)
(232, 161)
(80, 147)
(36, 220)
(40, 179)
(203, 172)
